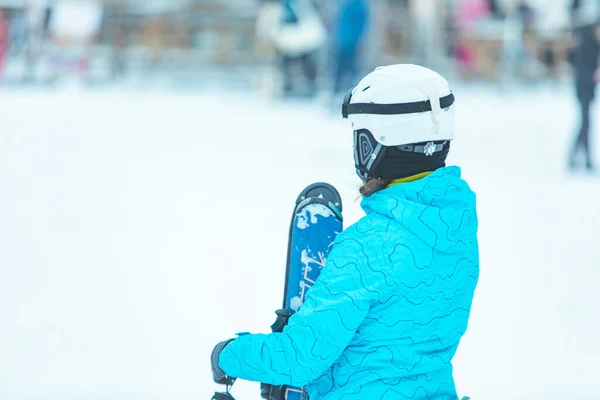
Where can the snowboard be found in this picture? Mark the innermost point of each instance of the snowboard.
(316, 221)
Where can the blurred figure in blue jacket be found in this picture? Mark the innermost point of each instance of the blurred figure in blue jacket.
(385, 318)
(350, 30)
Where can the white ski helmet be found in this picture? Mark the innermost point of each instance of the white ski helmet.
(405, 106)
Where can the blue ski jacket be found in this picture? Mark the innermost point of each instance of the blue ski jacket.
(352, 24)
(386, 315)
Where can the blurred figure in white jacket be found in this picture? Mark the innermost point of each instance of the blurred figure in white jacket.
(551, 26)
(294, 31)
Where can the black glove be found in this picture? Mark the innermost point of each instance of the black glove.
(222, 396)
(219, 376)
(270, 392)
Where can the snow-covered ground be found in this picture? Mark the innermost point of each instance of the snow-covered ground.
(139, 229)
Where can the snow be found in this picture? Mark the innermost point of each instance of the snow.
(295, 303)
(139, 229)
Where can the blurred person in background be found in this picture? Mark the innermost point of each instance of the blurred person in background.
(75, 27)
(512, 53)
(508, 10)
(4, 40)
(350, 30)
(586, 17)
(516, 61)
(299, 38)
(426, 21)
(36, 20)
(268, 19)
(289, 33)
(470, 51)
(17, 31)
(551, 35)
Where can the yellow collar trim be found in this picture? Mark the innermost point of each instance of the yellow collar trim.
(410, 178)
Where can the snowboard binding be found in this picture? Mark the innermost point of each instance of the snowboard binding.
(322, 193)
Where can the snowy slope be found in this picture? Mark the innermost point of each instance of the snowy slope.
(138, 229)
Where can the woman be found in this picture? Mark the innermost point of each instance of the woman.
(385, 317)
